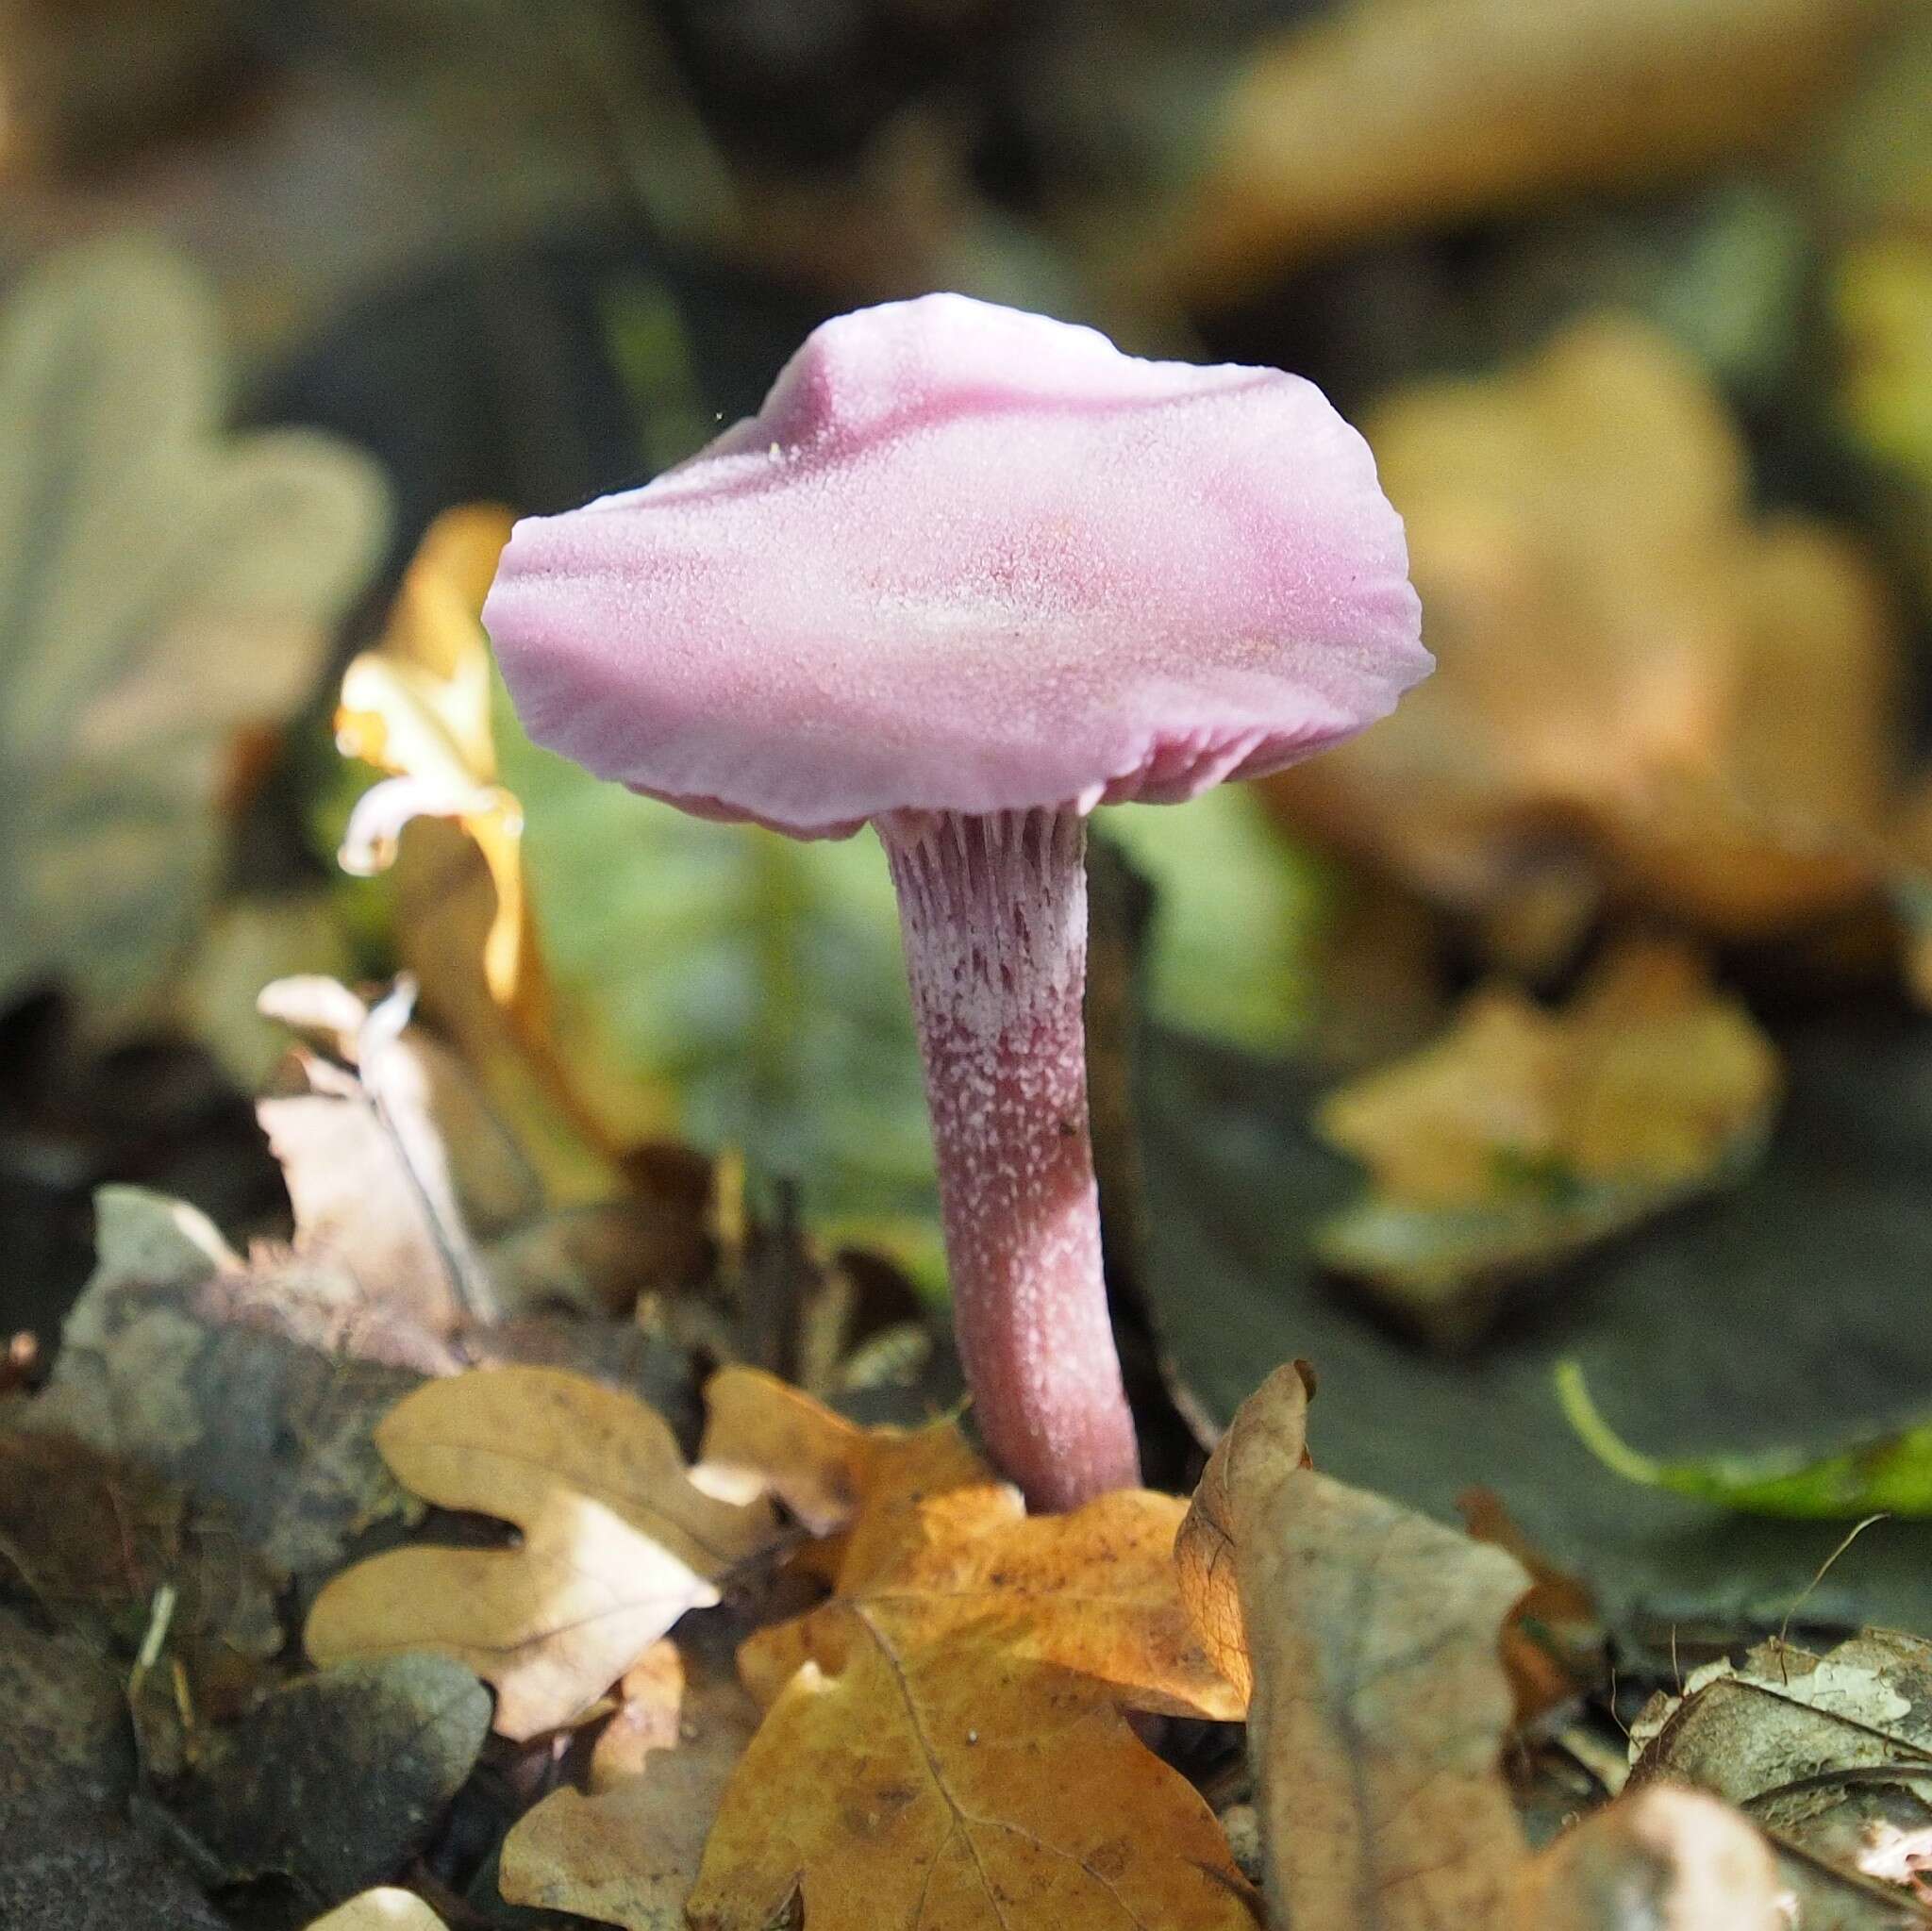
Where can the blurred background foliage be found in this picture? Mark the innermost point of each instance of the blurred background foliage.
(1633, 299)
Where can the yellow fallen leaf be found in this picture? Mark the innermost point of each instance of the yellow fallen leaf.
(419, 707)
(762, 1436)
(616, 1541)
(1646, 693)
(944, 1742)
(1524, 1134)
(385, 1909)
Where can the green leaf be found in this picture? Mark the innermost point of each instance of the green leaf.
(1238, 908)
(1889, 1472)
(756, 979)
(164, 591)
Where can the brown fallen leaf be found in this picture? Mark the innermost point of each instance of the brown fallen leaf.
(1456, 108)
(1553, 1644)
(1379, 1709)
(1380, 1702)
(945, 1741)
(1522, 1134)
(1831, 1756)
(1646, 693)
(617, 1542)
(1666, 1859)
(628, 1852)
(418, 706)
(168, 590)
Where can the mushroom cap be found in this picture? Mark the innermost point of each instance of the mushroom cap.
(968, 559)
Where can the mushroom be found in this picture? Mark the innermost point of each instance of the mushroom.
(967, 573)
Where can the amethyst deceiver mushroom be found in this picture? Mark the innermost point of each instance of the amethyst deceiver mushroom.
(967, 573)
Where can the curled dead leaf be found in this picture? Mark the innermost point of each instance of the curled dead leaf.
(1274, 1437)
(1380, 1703)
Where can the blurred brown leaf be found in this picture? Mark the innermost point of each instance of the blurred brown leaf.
(1522, 1134)
(1462, 108)
(1664, 1858)
(164, 591)
(1554, 1644)
(617, 1542)
(1644, 694)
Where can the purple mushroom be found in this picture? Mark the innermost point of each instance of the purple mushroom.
(967, 574)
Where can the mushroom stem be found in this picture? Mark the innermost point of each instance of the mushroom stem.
(993, 910)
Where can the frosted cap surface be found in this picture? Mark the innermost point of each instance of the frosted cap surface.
(966, 559)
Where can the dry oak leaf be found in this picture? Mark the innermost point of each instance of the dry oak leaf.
(1380, 1703)
(616, 1541)
(420, 707)
(165, 592)
(627, 1851)
(1645, 694)
(945, 1743)
(1524, 1134)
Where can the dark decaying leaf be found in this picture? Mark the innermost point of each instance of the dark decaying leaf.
(96, 1542)
(1830, 1754)
(72, 1864)
(335, 1780)
(179, 1353)
(62, 1710)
